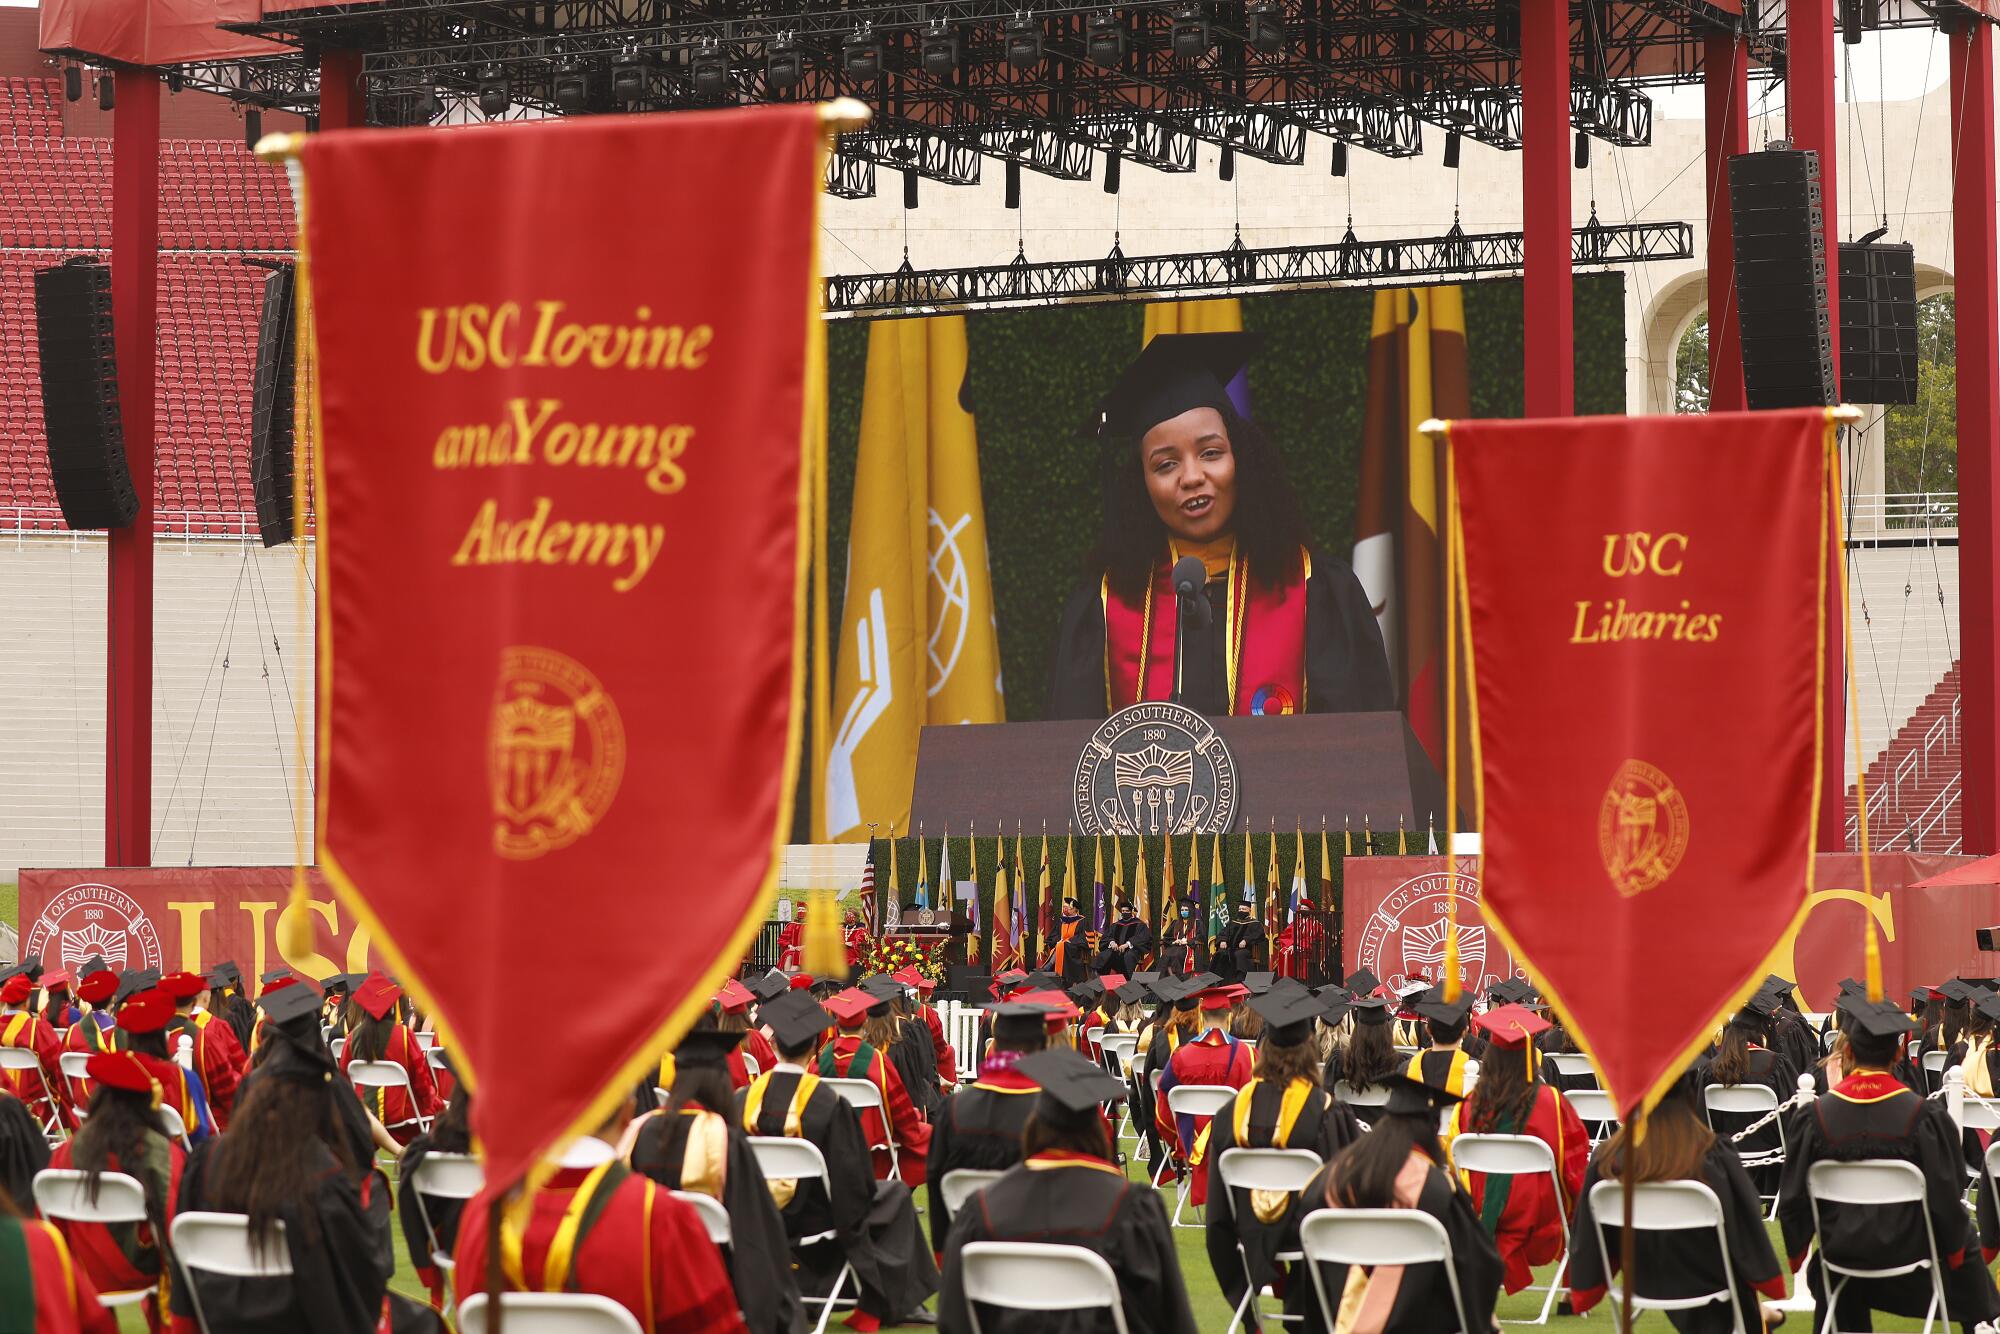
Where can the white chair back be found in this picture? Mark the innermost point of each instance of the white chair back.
(337, 1046)
(1288, 1170)
(171, 1124)
(1980, 1114)
(549, 1313)
(1199, 1099)
(1740, 1099)
(784, 1159)
(1502, 1155)
(448, 1176)
(72, 1064)
(20, 1058)
(1118, 1049)
(1408, 1053)
(1875, 1182)
(962, 1183)
(62, 1193)
(1374, 1237)
(434, 1057)
(750, 1066)
(1375, 1095)
(709, 1209)
(221, 1244)
(1094, 1035)
(1933, 1065)
(862, 1095)
(427, 1040)
(387, 1075)
(1593, 1105)
(1029, 1276)
(1667, 1206)
(1574, 1065)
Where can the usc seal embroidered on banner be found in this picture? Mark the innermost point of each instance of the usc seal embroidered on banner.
(1642, 828)
(557, 752)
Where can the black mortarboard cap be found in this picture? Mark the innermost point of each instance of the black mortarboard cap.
(1333, 1004)
(1360, 982)
(11, 971)
(342, 982)
(706, 1046)
(274, 975)
(1043, 980)
(1019, 1021)
(1849, 987)
(1289, 984)
(1433, 1006)
(1413, 1097)
(1958, 991)
(290, 1003)
(1369, 1010)
(1759, 1008)
(795, 1019)
(303, 1058)
(1288, 1016)
(1878, 1019)
(1988, 1005)
(32, 966)
(1175, 373)
(1072, 1087)
(94, 964)
(770, 986)
(225, 974)
(881, 986)
(1145, 975)
(1088, 989)
(1258, 983)
(134, 980)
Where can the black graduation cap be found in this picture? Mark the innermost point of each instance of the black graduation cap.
(770, 986)
(1043, 980)
(1849, 987)
(32, 966)
(342, 982)
(706, 1046)
(1258, 983)
(12, 971)
(1072, 1087)
(1760, 1007)
(1333, 1004)
(1958, 991)
(96, 964)
(225, 974)
(1511, 991)
(1288, 1016)
(1175, 373)
(1183, 993)
(275, 975)
(1877, 1019)
(297, 1056)
(1433, 1006)
(881, 986)
(1360, 982)
(1413, 1097)
(134, 980)
(1019, 1021)
(1289, 984)
(1145, 975)
(288, 1004)
(1988, 1005)
(795, 1019)
(1088, 989)
(1369, 1010)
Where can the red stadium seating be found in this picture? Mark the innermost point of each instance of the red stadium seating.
(217, 203)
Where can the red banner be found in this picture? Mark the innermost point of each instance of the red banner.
(1395, 921)
(184, 917)
(564, 386)
(1644, 599)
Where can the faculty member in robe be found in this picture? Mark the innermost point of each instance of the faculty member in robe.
(1242, 948)
(1128, 944)
(218, 1057)
(1286, 630)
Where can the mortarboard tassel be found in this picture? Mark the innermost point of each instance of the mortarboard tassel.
(295, 931)
(1402, 838)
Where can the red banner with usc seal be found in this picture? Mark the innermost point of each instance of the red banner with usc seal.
(567, 371)
(1643, 600)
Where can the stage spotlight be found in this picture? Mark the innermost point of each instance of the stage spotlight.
(1024, 42)
(708, 70)
(1267, 27)
(253, 128)
(1106, 41)
(572, 85)
(861, 56)
(1013, 199)
(73, 82)
(784, 65)
(628, 77)
(1339, 158)
(1451, 142)
(1111, 165)
(1190, 33)
(107, 97)
(1582, 150)
(494, 95)
(1227, 169)
(940, 51)
(174, 81)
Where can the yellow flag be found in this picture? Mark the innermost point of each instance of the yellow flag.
(917, 641)
(1117, 867)
(1069, 868)
(1215, 867)
(1194, 861)
(1222, 315)
(1139, 890)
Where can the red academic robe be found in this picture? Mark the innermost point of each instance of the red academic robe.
(22, 1029)
(913, 1135)
(647, 1251)
(218, 1058)
(791, 944)
(65, 1299)
(1535, 1219)
(392, 1106)
(1212, 1058)
(759, 1049)
(94, 1248)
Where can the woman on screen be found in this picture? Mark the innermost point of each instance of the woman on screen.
(1285, 630)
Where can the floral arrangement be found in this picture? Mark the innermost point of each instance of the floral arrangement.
(894, 953)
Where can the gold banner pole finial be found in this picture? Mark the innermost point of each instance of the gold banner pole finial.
(839, 115)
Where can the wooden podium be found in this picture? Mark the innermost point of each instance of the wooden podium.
(1298, 771)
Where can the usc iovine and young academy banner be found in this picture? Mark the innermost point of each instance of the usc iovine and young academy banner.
(1643, 600)
(565, 372)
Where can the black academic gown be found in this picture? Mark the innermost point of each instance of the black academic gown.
(1131, 931)
(1347, 669)
(1177, 950)
(1074, 1201)
(1241, 949)
(1872, 1117)
(1323, 1126)
(760, 1258)
(875, 1221)
(444, 1212)
(980, 1128)
(1686, 1264)
(1792, 1039)
(24, 1151)
(1773, 1072)
(915, 1062)
(1423, 1297)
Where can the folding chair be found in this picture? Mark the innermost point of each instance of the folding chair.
(61, 1193)
(1120, 1052)
(1748, 1100)
(550, 1313)
(861, 1094)
(1933, 1067)
(1573, 1065)
(1873, 1182)
(1594, 1107)
(1667, 1206)
(221, 1244)
(75, 1077)
(171, 1124)
(1288, 1170)
(337, 1046)
(1094, 1035)
(444, 1176)
(1194, 1100)
(1374, 1097)
(1516, 1155)
(784, 1159)
(388, 1075)
(1374, 1237)
(750, 1066)
(709, 1209)
(434, 1057)
(961, 1184)
(1030, 1276)
(427, 1040)
(22, 1060)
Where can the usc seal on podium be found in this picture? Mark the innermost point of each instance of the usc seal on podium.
(1154, 768)
(557, 752)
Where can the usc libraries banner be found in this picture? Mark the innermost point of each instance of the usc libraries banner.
(565, 373)
(1643, 603)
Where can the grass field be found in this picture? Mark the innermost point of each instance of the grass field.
(10, 904)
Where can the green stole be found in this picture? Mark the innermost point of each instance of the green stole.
(17, 1284)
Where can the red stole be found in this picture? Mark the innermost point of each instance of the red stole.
(1265, 653)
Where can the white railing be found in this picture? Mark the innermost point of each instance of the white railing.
(961, 1030)
(19, 521)
(1914, 769)
(1934, 818)
(1903, 510)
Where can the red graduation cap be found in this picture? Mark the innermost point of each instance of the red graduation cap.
(1061, 1008)
(122, 1070)
(183, 986)
(378, 995)
(56, 981)
(14, 991)
(734, 997)
(146, 1011)
(850, 1007)
(97, 988)
(1113, 981)
(909, 977)
(1511, 1025)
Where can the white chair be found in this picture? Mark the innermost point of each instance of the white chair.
(1119, 1051)
(1407, 1053)
(1288, 1170)
(1376, 1237)
(1874, 1182)
(1194, 1100)
(1594, 1107)
(961, 1184)
(1094, 1035)
(171, 1124)
(61, 1193)
(222, 1244)
(76, 1079)
(550, 1313)
(1029, 1276)
(1751, 1100)
(22, 1061)
(427, 1039)
(1371, 1099)
(798, 1160)
(444, 1176)
(1573, 1065)
(366, 1075)
(1516, 1155)
(1980, 1114)
(1933, 1066)
(861, 1095)
(750, 1066)
(337, 1046)
(1667, 1206)
(434, 1057)
(709, 1209)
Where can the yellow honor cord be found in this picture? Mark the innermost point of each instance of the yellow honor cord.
(562, 1248)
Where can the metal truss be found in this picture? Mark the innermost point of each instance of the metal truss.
(1238, 270)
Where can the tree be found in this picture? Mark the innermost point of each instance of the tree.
(1921, 438)
(1691, 368)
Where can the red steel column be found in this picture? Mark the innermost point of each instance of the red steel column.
(342, 104)
(1726, 83)
(1809, 114)
(135, 246)
(1974, 238)
(1548, 333)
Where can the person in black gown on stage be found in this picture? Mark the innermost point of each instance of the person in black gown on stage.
(1288, 630)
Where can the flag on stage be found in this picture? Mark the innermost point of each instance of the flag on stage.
(1099, 919)
(1634, 631)
(945, 887)
(1192, 896)
(972, 905)
(1139, 900)
(1218, 891)
(1118, 889)
(1168, 893)
(868, 888)
(890, 913)
(1004, 939)
(1416, 370)
(1325, 872)
(1020, 929)
(923, 875)
(1274, 895)
(918, 641)
(504, 741)
(1298, 903)
(1045, 922)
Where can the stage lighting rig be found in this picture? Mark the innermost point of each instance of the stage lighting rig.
(1023, 42)
(861, 56)
(939, 51)
(495, 97)
(785, 65)
(572, 85)
(708, 70)
(73, 83)
(1267, 27)
(1106, 41)
(628, 77)
(1191, 38)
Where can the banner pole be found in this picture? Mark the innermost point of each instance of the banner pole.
(1872, 940)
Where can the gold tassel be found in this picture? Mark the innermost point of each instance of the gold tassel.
(825, 954)
(295, 932)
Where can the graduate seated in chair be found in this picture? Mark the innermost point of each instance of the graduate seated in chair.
(218, 1057)
(1212, 1058)
(1068, 1192)
(44, 1291)
(1743, 1056)
(1871, 1114)
(1443, 1061)
(860, 1050)
(1368, 1060)
(874, 1222)
(142, 1030)
(379, 1033)
(450, 1133)
(980, 1126)
(21, 1027)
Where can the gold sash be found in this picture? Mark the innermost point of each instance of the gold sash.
(782, 1188)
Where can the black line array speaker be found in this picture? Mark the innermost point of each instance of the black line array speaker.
(85, 438)
(1878, 322)
(271, 411)
(1781, 279)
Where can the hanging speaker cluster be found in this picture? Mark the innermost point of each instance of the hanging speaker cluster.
(1878, 322)
(1778, 227)
(271, 411)
(85, 438)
